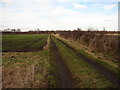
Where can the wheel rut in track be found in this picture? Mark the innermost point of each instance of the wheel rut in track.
(64, 78)
(100, 68)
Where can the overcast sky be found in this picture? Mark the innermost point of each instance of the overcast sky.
(59, 14)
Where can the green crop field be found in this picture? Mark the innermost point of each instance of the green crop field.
(23, 42)
(49, 61)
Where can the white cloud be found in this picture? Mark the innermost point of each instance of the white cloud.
(39, 1)
(42, 1)
(109, 7)
(54, 17)
(64, 0)
(79, 6)
(5, 1)
(56, 21)
(61, 12)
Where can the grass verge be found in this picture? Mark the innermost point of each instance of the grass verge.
(84, 75)
(113, 68)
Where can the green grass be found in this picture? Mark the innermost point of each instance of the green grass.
(53, 64)
(35, 64)
(42, 63)
(84, 75)
(23, 42)
(116, 70)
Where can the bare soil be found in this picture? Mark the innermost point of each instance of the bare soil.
(64, 78)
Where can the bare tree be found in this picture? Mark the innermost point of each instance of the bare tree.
(104, 29)
(18, 30)
(78, 29)
(13, 30)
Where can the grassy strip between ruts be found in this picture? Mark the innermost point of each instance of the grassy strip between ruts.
(116, 70)
(53, 63)
(27, 70)
(84, 75)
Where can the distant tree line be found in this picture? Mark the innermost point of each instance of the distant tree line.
(78, 31)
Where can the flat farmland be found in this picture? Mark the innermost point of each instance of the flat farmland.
(23, 43)
(49, 61)
(25, 60)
